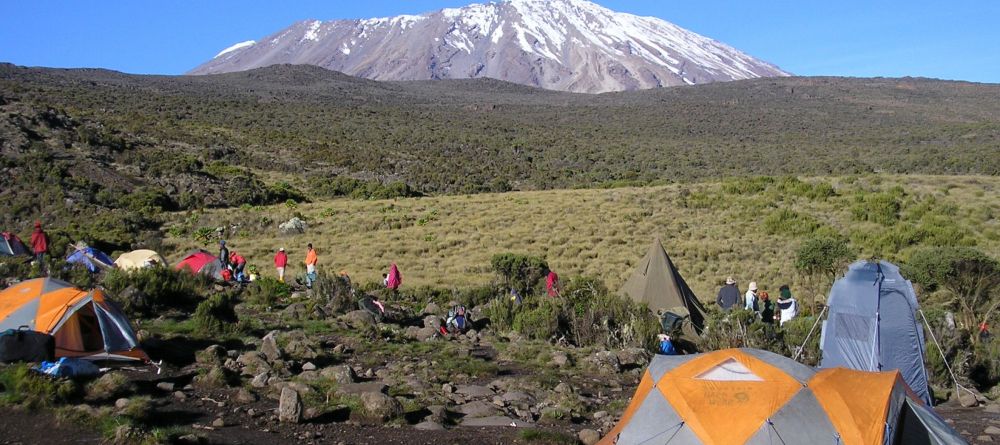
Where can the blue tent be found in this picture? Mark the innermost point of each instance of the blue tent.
(873, 325)
(91, 258)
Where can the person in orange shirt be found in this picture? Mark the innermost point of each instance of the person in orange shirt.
(311, 261)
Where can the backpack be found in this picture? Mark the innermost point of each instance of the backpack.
(457, 317)
(23, 345)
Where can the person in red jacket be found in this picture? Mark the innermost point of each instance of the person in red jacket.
(237, 262)
(39, 244)
(280, 262)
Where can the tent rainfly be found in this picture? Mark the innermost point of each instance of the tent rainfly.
(201, 262)
(84, 323)
(11, 245)
(657, 283)
(749, 396)
(873, 326)
(139, 259)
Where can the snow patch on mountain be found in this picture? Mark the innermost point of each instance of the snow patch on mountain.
(236, 47)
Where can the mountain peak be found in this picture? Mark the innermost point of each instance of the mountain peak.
(572, 45)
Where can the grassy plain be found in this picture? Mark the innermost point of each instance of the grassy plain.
(748, 228)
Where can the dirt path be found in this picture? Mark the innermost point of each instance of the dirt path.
(21, 427)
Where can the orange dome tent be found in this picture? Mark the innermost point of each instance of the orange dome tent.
(84, 323)
(741, 396)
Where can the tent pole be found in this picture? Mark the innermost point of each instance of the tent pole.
(802, 347)
(876, 361)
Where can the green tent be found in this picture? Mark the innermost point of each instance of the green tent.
(657, 283)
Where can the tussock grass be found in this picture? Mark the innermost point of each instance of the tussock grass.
(711, 230)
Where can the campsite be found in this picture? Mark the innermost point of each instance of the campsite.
(532, 222)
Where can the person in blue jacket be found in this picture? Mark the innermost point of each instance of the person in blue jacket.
(666, 346)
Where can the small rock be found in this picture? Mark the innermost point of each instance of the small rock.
(984, 438)
(260, 381)
(600, 415)
(447, 388)
(179, 395)
(633, 357)
(474, 391)
(189, 439)
(564, 388)
(432, 321)
(494, 421)
(210, 356)
(428, 425)
(993, 408)
(477, 409)
(431, 309)
(244, 395)
(588, 436)
(361, 388)
(969, 398)
(219, 423)
(269, 347)
(123, 403)
(165, 386)
(309, 366)
(289, 406)
(992, 430)
(560, 359)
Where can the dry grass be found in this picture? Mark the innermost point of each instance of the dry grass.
(447, 241)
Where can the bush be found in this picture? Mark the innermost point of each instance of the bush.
(521, 272)
(539, 322)
(822, 255)
(151, 291)
(747, 186)
(882, 208)
(789, 222)
(216, 315)
(740, 328)
(267, 292)
(795, 332)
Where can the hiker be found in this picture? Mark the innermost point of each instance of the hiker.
(385, 280)
(311, 261)
(394, 279)
(223, 255)
(666, 345)
(787, 306)
(238, 263)
(750, 299)
(552, 284)
(766, 308)
(729, 295)
(40, 245)
(457, 322)
(280, 262)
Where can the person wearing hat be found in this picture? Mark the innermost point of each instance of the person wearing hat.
(280, 262)
(788, 308)
(750, 299)
(39, 244)
(729, 295)
(223, 255)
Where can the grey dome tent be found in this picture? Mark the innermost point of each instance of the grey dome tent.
(873, 325)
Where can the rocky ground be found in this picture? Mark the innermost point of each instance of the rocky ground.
(305, 378)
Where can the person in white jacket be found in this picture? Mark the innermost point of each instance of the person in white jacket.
(750, 299)
(788, 308)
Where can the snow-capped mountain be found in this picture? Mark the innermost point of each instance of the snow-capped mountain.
(570, 45)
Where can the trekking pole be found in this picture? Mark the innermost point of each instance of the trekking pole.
(809, 335)
(945, 359)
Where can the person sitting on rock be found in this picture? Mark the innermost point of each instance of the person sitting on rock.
(458, 320)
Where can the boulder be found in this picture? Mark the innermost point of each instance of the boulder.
(269, 347)
(380, 406)
(993, 408)
(992, 430)
(359, 319)
(215, 378)
(969, 397)
(296, 311)
(477, 409)
(260, 380)
(475, 391)
(244, 395)
(560, 359)
(165, 386)
(253, 363)
(309, 366)
(429, 425)
(588, 436)
(606, 361)
(342, 374)
(431, 309)
(515, 397)
(289, 406)
(633, 358)
(294, 226)
(301, 350)
(432, 321)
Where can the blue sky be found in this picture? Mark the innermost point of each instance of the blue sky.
(892, 38)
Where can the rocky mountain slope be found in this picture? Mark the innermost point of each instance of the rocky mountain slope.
(568, 45)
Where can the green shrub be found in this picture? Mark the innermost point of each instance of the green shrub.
(521, 272)
(267, 292)
(819, 190)
(747, 186)
(740, 329)
(795, 332)
(823, 255)
(881, 208)
(19, 385)
(153, 290)
(540, 321)
(789, 222)
(501, 313)
(216, 315)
